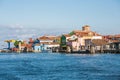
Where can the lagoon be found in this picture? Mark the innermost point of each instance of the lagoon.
(56, 66)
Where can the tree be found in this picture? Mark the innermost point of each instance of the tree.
(71, 33)
(17, 43)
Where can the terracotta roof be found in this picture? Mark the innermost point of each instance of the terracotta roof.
(117, 36)
(112, 36)
(99, 42)
(48, 38)
(85, 33)
(45, 38)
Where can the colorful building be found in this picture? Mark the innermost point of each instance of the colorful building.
(48, 43)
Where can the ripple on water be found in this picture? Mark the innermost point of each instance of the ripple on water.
(59, 67)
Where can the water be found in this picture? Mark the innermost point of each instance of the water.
(49, 66)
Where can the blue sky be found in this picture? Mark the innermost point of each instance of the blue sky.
(61, 15)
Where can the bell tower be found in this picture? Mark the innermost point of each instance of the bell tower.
(86, 28)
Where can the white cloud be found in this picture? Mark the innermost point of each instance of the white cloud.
(25, 36)
(17, 32)
(16, 26)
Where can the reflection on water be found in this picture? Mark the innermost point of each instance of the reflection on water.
(50, 66)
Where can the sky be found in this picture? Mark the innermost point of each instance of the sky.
(32, 18)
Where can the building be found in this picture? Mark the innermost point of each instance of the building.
(48, 43)
(78, 40)
(85, 36)
(37, 48)
(74, 43)
(99, 45)
(32, 45)
(65, 43)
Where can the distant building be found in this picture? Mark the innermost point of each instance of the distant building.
(78, 39)
(63, 41)
(85, 36)
(48, 43)
(99, 44)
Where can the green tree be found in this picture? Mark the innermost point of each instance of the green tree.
(17, 43)
(71, 33)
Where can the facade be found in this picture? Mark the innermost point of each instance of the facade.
(74, 43)
(63, 42)
(48, 47)
(33, 45)
(37, 48)
(115, 46)
(99, 45)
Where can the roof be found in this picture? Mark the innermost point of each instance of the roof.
(10, 40)
(113, 36)
(85, 33)
(117, 36)
(48, 37)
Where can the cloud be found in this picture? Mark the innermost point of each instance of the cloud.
(17, 32)
(25, 36)
(16, 26)
(12, 27)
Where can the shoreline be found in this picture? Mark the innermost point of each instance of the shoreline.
(74, 52)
